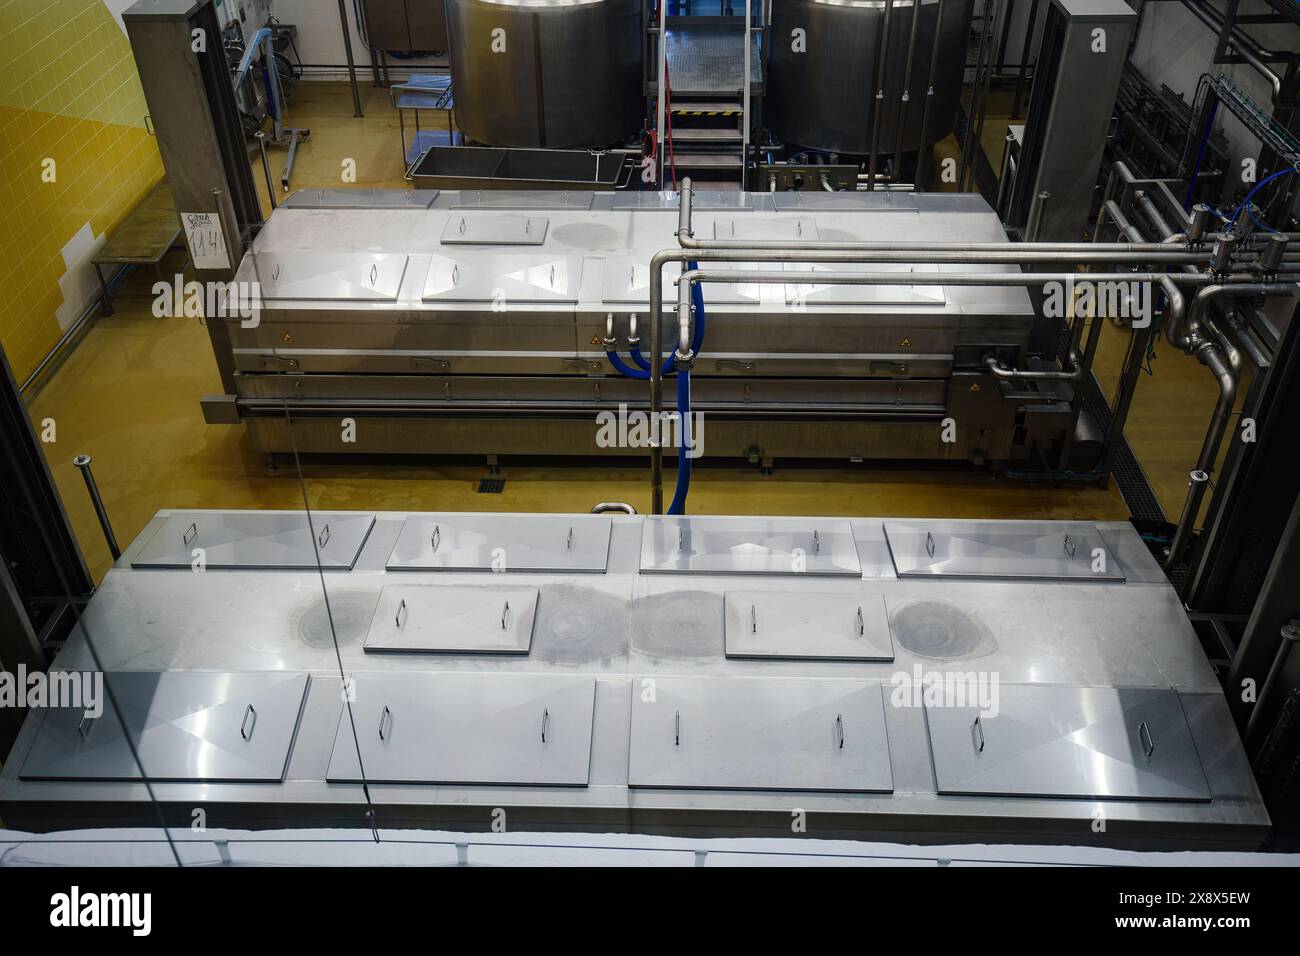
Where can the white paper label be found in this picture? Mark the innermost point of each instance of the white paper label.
(206, 241)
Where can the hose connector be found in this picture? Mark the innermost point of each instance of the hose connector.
(632, 337)
(609, 341)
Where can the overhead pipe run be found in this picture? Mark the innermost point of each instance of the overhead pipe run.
(693, 249)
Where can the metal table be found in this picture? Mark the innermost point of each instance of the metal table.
(622, 704)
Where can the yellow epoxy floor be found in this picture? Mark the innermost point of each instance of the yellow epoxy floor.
(129, 396)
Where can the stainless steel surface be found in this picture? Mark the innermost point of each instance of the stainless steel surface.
(757, 734)
(319, 276)
(476, 332)
(467, 728)
(186, 725)
(559, 74)
(361, 199)
(453, 620)
(1089, 742)
(504, 278)
(256, 540)
(623, 628)
(822, 98)
(803, 625)
(502, 543)
(782, 546)
(495, 230)
(1053, 550)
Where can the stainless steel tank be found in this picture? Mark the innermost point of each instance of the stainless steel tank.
(821, 82)
(546, 73)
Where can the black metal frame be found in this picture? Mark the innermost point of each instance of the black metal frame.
(43, 577)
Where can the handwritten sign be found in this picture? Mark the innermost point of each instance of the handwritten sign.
(206, 240)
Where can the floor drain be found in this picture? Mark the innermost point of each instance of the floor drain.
(491, 486)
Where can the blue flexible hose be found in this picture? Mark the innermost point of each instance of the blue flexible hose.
(642, 373)
(678, 506)
(620, 366)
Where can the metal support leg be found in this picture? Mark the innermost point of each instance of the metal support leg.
(104, 295)
(83, 463)
(352, 66)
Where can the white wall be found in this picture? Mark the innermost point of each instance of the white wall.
(1175, 48)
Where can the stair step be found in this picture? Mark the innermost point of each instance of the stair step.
(706, 108)
(708, 160)
(706, 135)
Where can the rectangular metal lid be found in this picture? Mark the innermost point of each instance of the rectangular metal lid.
(1054, 741)
(252, 540)
(453, 620)
(748, 546)
(1052, 550)
(462, 728)
(184, 726)
(330, 276)
(728, 733)
(504, 277)
(495, 230)
(361, 199)
(496, 542)
(805, 625)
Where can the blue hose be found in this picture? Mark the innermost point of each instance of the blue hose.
(642, 373)
(620, 366)
(639, 359)
(678, 506)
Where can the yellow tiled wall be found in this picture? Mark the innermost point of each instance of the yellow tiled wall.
(68, 92)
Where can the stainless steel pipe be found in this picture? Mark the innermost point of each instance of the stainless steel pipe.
(83, 465)
(1208, 354)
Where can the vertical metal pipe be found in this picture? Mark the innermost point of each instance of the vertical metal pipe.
(974, 95)
(1035, 223)
(1290, 636)
(260, 136)
(905, 97)
(991, 18)
(352, 66)
(659, 92)
(83, 463)
(1200, 477)
(1002, 176)
(878, 95)
(1028, 45)
(923, 154)
(744, 119)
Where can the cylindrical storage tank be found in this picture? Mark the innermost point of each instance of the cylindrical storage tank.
(546, 73)
(822, 72)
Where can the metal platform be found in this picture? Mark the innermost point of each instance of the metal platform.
(710, 59)
(654, 702)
